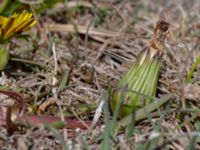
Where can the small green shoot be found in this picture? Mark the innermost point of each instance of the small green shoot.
(191, 71)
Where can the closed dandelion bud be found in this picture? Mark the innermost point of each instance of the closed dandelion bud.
(139, 84)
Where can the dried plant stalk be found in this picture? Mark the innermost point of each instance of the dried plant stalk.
(142, 78)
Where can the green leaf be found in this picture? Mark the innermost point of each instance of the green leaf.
(4, 57)
(191, 72)
(144, 112)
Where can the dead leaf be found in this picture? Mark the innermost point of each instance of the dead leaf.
(44, 105)
(192, 92)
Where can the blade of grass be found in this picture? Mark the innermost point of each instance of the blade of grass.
(191, 72)
(194, 139)
(143, 112)
(107, 131)
(131, 125)
(64, 80)
(57, 136)
(58, 124)
(149, 145)
(25, 61)
(117, 110)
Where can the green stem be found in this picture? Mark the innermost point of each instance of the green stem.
(4, 6)
(25, 61)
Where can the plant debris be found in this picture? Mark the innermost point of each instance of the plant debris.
(75, 65)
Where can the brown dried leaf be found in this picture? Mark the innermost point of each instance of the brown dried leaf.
(10, 125)
(44, 105)
(192, 92)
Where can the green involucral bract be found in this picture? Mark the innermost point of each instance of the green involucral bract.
(141, 82)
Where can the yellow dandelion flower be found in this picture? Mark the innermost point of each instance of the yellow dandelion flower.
(15, 24)
(9, 26)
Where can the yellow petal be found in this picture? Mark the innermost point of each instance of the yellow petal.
(17, 23)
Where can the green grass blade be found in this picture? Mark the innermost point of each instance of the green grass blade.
(107, 131)
(29, 62)
(131, 125)
(143, 112)
(64, 80)
(191, 72)
(57, 136)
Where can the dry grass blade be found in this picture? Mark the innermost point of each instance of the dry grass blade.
(118, 32)
(80, 29)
